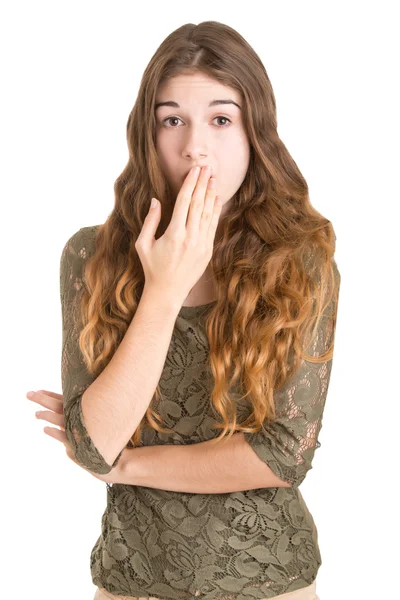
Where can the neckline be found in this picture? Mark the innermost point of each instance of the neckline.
(187, 311)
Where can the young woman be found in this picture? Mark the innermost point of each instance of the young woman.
(214, 310)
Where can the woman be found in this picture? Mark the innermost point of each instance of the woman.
(195, 316)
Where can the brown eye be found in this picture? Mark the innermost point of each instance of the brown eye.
(171, 119)
(178, 119)
(225, 119)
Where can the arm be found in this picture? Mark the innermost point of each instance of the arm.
(229, 466)
(102, 413)
(278, 455)
(288, 445)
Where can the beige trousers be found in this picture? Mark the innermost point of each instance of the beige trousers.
(306, 593)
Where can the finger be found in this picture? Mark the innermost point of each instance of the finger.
(51, 417)
(52, 394)
(197, 205)
(61, 437)
(147, 234)
(57, 434)
(48, 402)
(208, 210)
(69, 452)
(183, 200)
(214, 223)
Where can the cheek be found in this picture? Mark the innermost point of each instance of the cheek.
(234, 168)
(162, 144)
(164, 155)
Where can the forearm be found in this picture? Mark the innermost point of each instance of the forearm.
(202, 468)
(114, 404)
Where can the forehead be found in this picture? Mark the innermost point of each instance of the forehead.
(197, 88)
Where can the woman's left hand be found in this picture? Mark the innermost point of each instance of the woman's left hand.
(55, 415)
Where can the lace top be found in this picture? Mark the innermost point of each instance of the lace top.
(257, 543)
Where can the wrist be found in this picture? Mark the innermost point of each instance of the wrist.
(161, 299)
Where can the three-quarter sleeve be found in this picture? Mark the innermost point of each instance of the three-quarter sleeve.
(74, 375)
(288, 444)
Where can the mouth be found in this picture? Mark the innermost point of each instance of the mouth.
(186, 174)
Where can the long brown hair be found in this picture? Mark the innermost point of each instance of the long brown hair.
(273, 265)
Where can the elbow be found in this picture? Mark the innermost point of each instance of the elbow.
(284, 468)
(297, 477)
(85, 453)
(274, 479)
(82, 447)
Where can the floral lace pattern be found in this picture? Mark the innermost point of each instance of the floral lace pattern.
(74, 376)
(234, 546)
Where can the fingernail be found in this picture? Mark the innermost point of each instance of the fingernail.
(30, 394)
(37, 414)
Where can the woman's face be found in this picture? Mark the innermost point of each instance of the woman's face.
(191, 132)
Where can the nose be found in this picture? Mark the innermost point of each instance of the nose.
(195, 146)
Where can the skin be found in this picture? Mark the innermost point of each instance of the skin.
(195, 136)
(198, 135)
(55, 415)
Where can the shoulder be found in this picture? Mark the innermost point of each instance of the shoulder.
(313, 264)
(77, 249)
(82, 243)
(336, 272)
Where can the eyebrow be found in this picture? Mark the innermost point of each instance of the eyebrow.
(213, 103)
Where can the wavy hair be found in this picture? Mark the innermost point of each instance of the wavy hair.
(273, 265)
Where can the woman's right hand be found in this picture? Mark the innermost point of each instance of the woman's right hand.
(176, 261)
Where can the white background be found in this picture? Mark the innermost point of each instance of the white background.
(70, 76)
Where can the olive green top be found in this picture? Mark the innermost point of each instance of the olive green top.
(243, 545)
